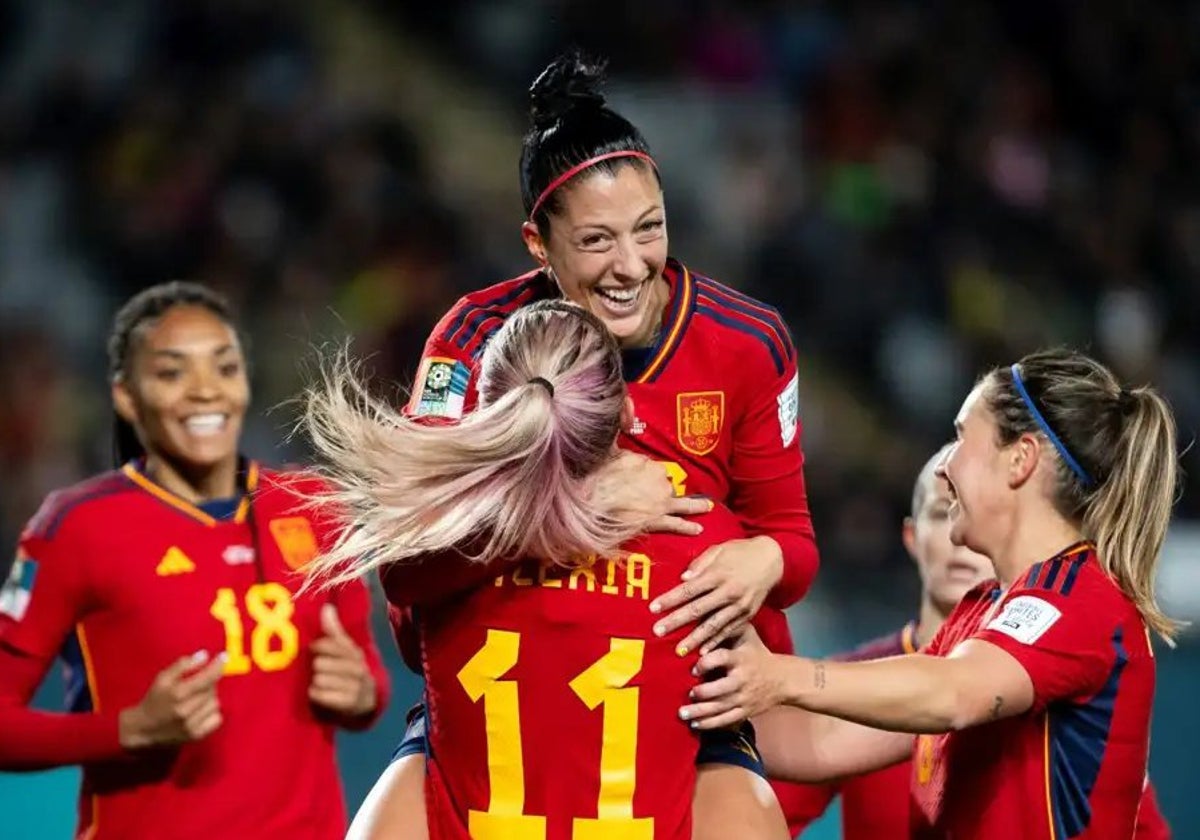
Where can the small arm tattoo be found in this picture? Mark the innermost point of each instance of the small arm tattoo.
(819, 675)
(996, 707)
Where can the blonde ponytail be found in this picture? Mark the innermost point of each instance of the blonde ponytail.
(1129, 513)
(511, 479)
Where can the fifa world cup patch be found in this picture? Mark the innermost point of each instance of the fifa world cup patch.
(17, 590)
(1026, 619)
(789, 411)
(698, 420)
(441, 388)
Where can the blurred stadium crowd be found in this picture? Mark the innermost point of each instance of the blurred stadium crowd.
(923, 189)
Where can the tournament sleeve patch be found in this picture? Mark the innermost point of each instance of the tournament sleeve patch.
(17, 590)
(789, 410)
(1026, 618)
(441, 388)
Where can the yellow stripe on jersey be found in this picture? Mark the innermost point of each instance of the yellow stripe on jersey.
(1046, 761)
(183, 505)
(686, 293)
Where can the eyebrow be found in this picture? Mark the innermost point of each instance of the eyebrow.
(657, 208)
(179, 354)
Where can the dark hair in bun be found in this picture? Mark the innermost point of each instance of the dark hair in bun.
(571, 124)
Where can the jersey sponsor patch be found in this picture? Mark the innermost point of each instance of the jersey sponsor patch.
(238, 555)
(789, 410)
(1026, 618)
(441, 388)
(17, 590)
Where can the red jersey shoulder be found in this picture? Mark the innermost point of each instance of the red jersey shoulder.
(477, 315)
(964, 619)
(78, 504)
(750, 328)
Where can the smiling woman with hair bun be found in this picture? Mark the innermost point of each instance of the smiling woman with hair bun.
(713, 381)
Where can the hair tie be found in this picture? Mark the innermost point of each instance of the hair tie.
(544, 382)
(579, 167)
(1067, 457)
(1126, 402)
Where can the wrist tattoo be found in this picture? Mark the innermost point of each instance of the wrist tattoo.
(819, 675)
(996, 707)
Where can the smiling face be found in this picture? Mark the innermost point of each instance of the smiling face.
(948, 571)
(185, 389)
(607, 249)
(977, 471)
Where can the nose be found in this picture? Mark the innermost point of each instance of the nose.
(202, 387)
(940, 469)
(629, 264)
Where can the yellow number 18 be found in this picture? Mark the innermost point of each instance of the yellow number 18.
(604, 683)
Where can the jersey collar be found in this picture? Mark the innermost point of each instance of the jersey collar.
(247, 478)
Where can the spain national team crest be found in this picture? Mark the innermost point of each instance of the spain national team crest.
(698, 418)
(296, 540)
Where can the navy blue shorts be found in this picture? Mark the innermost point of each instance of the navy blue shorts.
(734, 746)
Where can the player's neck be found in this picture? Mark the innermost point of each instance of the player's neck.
(1035, 537)
(194, 485)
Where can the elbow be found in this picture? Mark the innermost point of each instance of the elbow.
(963, 709)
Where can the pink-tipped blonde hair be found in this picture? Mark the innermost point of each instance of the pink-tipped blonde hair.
(510, 480)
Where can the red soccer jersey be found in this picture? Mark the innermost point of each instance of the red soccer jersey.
(716, 398)
(137, 578)
(874, 805)
(1074, 765)
(553, 707)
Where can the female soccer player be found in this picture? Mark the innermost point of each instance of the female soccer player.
(551, 699)
(207, 691)
(877, 804)
(711, 372)
(1031, 706)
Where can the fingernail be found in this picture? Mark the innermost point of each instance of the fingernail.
(222, 656)
(687, 575)
(695, 670)
(694, 724)
(200, 657)
(655, 607)
(683, 714)
(681, 650)
(692, 693)
(659, 629)
(711, 504)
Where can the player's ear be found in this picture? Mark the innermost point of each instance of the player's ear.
(627, 414)
(908, 535)
(1023, 457)
(123, 402)
(532, 237)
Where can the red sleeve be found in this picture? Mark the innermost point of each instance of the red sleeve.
(1064, 642)
(43, 599)
(767, 475)
(1151, 824)
(446, 382)
(354, 610)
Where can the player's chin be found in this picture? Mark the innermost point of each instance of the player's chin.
(207, 453)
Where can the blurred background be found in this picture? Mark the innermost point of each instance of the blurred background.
(924, 189)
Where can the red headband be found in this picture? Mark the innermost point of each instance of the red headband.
(579, 167)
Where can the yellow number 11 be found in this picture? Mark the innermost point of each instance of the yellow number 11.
(605, 684)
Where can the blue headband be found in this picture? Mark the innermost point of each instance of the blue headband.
(1075, 466)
